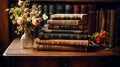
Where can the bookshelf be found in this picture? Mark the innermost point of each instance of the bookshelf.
(25, 58)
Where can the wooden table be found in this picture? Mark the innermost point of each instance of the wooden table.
(19, 57)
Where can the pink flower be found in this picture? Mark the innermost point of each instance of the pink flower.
(20, 3)
(35, 21)
(26, 10)
(20, 20)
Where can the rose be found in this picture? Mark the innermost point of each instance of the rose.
(20, 3)
(20, 20)
(35, 21)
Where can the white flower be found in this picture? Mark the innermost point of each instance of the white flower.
(45, 17)
(20, 20)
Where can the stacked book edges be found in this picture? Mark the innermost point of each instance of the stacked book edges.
(65, 32)
(62, 45)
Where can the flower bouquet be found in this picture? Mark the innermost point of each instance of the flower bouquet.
(26, 18)
(99, 38)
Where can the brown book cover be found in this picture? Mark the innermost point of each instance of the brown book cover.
(60, 8)
(68, 27)
(112, 22)
(84, 8)
(69, 8)
(77, 9)
(63, 42)
(92, 18)
(63, 36)
(67, 22)
(42, 47)
(69, 17)
(64, 31)
(52, 9)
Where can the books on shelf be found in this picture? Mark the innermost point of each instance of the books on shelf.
(64, 42)
(69, 16)
(67, 22)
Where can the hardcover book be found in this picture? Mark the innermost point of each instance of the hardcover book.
(69, 17)
(63, 36)
(67, 22)
(84, 43)
(68, 27)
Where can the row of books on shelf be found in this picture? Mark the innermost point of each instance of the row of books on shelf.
(79, 26)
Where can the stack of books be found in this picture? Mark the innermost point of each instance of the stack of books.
(66, 32)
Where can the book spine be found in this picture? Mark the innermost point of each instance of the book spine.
(64, 42)
(70, 27)
(84, 8)
(92, 18)
(60, 8)
(52, 9)
(69, 17)
(60, 48)
(77, 9)
(68, 8)
(64, 31)
(112, 21)
(46, 9)
(117, 30)
(67, 22)
(63, 36)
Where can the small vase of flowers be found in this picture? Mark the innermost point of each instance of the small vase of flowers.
(27, 18)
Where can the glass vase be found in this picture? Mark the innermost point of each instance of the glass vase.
(26, 40)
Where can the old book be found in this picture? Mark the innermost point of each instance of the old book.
(77, 9)
(46, 9)
(116, 40)
(63, 42)
(92, 18)
(84, 8)
(64, 31)
(63, 36)
(68, 27)
(60, 8)
(69, 17)
(42, 47)
(68, 8)
(112, 21)
(52, 9)
(67, 22)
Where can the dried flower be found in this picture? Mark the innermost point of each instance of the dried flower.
(26, 17)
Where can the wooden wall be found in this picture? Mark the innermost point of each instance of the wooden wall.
(4, 34)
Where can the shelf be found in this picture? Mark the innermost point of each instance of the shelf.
(15, 49)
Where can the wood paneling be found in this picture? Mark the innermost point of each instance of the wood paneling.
(4, 34)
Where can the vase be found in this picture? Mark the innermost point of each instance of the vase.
(26, 40)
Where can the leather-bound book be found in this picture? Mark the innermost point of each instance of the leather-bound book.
(92, 18)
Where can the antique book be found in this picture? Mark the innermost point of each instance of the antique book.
(63, 36)
(69, 17)
(84, 8)
(60, 8)
(42, 47)
(67, 22)
(92, 18)
(63, 42)
(76, 9)
(116, 40)
(112, 21)
(46, 9)
(68, 27)
(64, 31)
(69, 8)
(52, 9)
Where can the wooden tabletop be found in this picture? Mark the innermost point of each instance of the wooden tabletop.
(15, 49)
